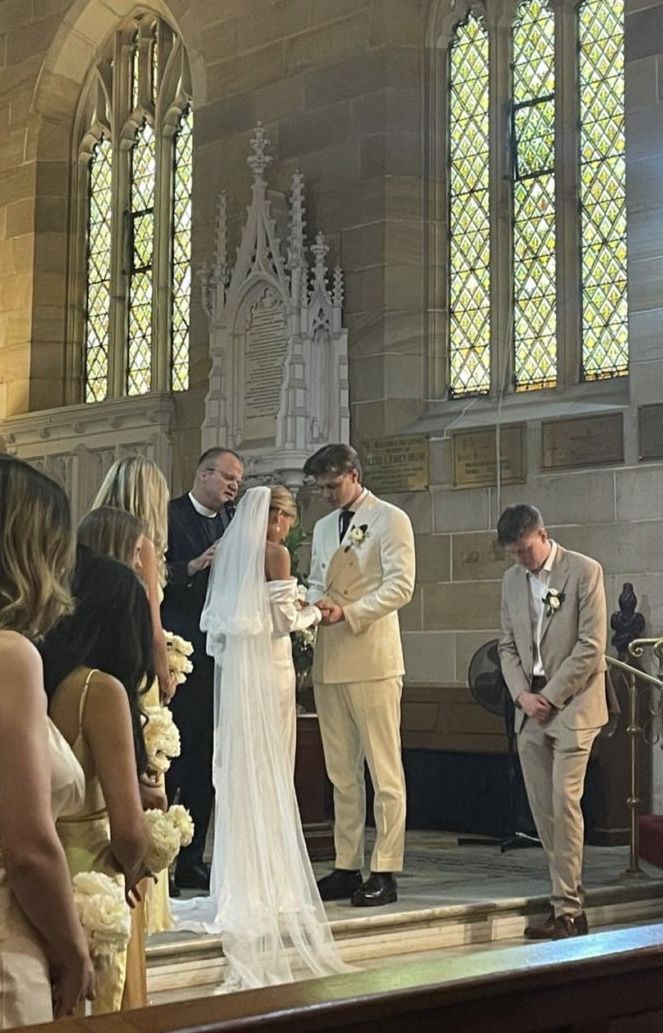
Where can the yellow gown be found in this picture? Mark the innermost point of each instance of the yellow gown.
(86, 841)
(158, 917)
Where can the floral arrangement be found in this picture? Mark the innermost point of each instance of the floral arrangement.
(179, 651)
(553, 599)
(103, 912)
(168, 831)
(162, 738)
(356, 536)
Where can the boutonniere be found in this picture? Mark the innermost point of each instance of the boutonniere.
(356, 536)
(553, 600)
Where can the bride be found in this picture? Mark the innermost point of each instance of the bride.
(263, 897)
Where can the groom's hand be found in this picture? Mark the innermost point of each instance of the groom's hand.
(331, 613)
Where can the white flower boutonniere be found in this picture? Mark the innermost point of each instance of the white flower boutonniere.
(357, 535)
(553, 601)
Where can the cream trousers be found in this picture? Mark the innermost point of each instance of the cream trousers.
(361, 721)
(554, 762)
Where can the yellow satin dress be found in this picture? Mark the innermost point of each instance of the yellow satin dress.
(158, 916)
(86, 841)
(25, 985)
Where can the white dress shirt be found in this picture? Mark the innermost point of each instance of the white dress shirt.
(199, 508)
(538, 587)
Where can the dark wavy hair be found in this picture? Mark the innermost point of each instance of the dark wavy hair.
(110, 629)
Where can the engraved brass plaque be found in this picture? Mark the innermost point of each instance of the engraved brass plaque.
(650, 431)
(396, 464)
(586, 441)
(474, 456)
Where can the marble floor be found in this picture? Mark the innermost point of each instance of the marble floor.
(452, 898)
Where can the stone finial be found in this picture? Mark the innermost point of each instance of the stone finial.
(320, 250)
(296, 258)
(338, 290)
(259, 160)
(221, 250)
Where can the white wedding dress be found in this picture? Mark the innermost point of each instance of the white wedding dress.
(263, 896)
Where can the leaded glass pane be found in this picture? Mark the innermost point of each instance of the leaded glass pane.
(534, 272)
(181, 252)
(139, 356)
(98, 272)
(469, 211)
(602, 189)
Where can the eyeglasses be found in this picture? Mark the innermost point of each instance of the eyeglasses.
(229, 478)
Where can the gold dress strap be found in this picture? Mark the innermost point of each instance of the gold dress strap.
(81, 702)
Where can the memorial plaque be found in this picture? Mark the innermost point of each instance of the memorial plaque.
(474, 457)
(587, 441)
(265, 346)
(396, 464)
(650, 431)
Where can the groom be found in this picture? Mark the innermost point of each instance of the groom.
(362, 572)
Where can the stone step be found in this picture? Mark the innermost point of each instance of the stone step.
(181, 965)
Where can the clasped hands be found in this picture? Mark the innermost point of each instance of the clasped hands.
(535, 706)
(331, 613)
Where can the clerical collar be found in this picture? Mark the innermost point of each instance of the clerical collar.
(199, 508)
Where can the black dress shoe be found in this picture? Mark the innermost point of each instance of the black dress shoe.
(379, 888)
(192, 875)
(559, 927)
(339, 884)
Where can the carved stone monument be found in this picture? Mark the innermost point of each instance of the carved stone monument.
(278, 386)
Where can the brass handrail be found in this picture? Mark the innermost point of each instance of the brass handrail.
(634, 730)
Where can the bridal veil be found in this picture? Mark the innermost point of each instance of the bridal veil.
(263, 897)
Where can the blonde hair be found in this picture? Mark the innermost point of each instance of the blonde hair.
(136, 483)
(36, 550)
(282, 498)
(109, 531)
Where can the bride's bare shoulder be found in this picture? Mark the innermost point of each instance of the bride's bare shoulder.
(277, 562)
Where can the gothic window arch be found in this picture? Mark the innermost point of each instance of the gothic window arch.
(531, 268)
(132, 210)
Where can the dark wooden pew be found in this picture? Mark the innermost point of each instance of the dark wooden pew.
(609, 982)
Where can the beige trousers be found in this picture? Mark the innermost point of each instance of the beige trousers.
(554, 762)
(362, 721)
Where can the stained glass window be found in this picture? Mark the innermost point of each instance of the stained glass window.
(97, 300)
(602, 189)
(137, 205)
(534, 237)
(469, 211)
(181, 254)
(143, 166)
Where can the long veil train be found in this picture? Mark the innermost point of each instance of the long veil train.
(263, 897)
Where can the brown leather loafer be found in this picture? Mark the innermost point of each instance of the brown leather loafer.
(558, 927)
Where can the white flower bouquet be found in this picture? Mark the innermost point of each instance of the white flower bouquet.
(179, 651)
(168, 831)
(162, 738)
(103, 912)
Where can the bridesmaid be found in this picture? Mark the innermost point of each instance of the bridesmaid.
(46, 967)
(115, 532)
(137, 485)
(95, 663)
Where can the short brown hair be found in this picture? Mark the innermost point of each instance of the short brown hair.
(332, 459)
(516, 521)
(36, 549)
(211, 455)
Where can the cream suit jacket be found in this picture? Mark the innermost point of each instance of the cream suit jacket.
(371, 580)
(573, 640)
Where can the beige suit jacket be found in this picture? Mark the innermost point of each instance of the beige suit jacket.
(573, 640)
(371, 580)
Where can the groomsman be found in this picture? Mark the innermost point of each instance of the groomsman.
(362, 572)
(552, 655)
(196, 521)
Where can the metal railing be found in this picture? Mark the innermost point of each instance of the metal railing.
(650, 732)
